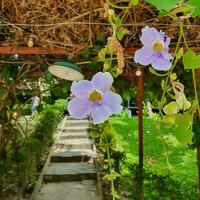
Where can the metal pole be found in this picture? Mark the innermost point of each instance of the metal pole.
(139, 74)
(140, 115)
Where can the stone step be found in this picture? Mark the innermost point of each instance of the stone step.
(71, 118)
(71, 156)
(70, 129)
(77, 123)
(74, 190)
(59, 172)
(74, 144)
(83, 126)
(75, 135)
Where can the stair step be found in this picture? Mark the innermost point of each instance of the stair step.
(74, 190)
(71, 156)
(77, 123)
(74, 144)
(71, 118)
(75, 135)
(58, 172)
(70, 129)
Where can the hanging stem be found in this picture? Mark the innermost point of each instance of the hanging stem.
(165, 90)
(195, 91)
(110, 169)
(173, 65)
(193, 77)
(114, 6)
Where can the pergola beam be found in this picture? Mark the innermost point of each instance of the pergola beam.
(55, 51)
(32, 50)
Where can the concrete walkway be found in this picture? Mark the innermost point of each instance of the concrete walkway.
(71, 173)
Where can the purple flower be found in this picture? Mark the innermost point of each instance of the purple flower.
(155, 50)
(94, 98)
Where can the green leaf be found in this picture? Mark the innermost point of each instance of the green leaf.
(196, 4)
(118, 21)
(134, 2)
(85, 53)
(184, 136)
(180, 53)
(121, 32)
(164, 4)
(182, 129)
(100, 37)
(94, 134)
(171, 108)
(184, 10)
(162, 13)
(186, 117)
(191, 60)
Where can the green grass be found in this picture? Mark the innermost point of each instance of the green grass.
(181, 158)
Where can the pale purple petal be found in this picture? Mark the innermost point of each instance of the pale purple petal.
(113, 101)
(161, 64)
(167, 55)
(79, 109)
(102, 81)
(149, 36)
(143, 56)
(167, 41)
(81, 89)
(100, 114)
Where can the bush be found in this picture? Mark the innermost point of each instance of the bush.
(158, 186)
(22, 167)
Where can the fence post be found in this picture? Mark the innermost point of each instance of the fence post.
(139, 74)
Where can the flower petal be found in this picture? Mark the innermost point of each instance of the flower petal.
(167, 55)
(79, 109)
(161, 64)
(113, 101)
(100, 113)
(149, 36)
(81, 89)
(102, 81)
(143, 56)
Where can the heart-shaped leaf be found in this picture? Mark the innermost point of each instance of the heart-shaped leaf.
(191, 60)
(164, 4)
(196, 4)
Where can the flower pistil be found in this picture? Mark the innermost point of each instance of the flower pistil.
(95, 96)
(158, 46)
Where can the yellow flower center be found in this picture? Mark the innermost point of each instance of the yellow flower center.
(158, 46)
(95, 96)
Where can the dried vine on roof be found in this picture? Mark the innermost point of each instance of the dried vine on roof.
(74, 24)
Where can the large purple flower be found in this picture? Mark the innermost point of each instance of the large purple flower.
(94, 98)
(155, 50)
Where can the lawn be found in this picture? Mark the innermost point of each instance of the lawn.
(181, 158)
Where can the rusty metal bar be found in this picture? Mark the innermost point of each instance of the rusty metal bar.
(139, 74)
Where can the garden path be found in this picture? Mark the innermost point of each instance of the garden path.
(71, 173)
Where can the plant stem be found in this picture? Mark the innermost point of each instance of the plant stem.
(126, 11)
(193, 77)
(195, 91)
(114, 6)
(165, 149)
(181, 34)
(110, 171)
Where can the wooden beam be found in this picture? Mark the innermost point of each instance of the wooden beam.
(55, 51)
(31, 50)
